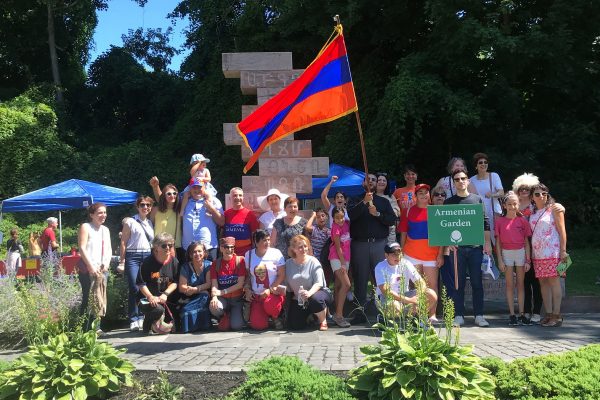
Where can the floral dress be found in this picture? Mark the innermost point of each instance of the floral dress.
(286, 232)
(545, 243)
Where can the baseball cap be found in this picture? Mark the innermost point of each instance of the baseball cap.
(392, 248)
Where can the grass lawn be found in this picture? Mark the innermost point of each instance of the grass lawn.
(584, 273)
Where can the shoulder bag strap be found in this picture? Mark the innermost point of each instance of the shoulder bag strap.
(492, 193)
(144, 229)
(538, 220)
(450, 185)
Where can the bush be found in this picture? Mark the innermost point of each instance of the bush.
(34, 311)
(412, 362)
(570, 375)
(288, 378)
(71, 365)
(116, 296)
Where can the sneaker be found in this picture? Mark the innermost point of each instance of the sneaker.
(512, 321)
(100, 333)
(140, 323)
(458, 321)
(358, 319)
(277, 324)
(134, 326)
(434, 321)
(341, 322)
(481, 322)
(536, 318)
(523, 320)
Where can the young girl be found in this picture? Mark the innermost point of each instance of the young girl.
(14, 252)
(513, 251)
(319, 233)
(339, 256)
(198, 170)
(339, 201)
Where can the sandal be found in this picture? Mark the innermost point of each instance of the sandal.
(323, 326)
(546, 319)
(556, 321)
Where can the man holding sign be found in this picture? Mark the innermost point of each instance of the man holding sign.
(469, 257)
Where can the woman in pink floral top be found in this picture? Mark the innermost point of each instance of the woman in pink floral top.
(548, 247)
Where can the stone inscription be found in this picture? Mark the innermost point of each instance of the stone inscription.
(285, 184)
(318, 166)
(251, 80)
(283, 149)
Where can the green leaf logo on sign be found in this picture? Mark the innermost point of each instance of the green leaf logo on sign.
(455, 225)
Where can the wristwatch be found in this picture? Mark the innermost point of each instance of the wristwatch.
(378, 214)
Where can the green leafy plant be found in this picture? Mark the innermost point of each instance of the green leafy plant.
(116, 295)
(416, 363)
(288, 378)
(73, 365)
(569, 375)
(161, 390)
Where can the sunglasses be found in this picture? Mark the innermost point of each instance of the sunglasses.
(145, 205)
(373, 179)
(165, 246)
(482, 162)
(381, 173)
(523, 190)
(228, 247)
(439, 194)
(461, 179)
(540, 194)
(171, 194)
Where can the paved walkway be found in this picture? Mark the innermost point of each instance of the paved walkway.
(337, 349)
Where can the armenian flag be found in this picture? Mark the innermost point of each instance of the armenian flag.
(322, 93)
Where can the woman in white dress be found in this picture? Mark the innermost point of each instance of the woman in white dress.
(489, 186)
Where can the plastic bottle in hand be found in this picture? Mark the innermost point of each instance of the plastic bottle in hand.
(300, 299)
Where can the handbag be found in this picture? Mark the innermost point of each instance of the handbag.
(563, 266)
(160, 326)
(488, 267)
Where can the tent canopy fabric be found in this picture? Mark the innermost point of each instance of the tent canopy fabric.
(349, 181)
(68, 195)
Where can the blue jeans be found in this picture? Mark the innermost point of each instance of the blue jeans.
(469, 261)
(133, 261)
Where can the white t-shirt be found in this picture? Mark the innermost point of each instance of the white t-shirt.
(268, 218)
(394, 275)
(265, 267)
(141, 231)
(483, 186)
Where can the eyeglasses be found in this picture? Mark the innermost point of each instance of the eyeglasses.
(171, 194)
(228, 247)
(373, 179)
(540, 194)
(165, 246)
(523, 190)
(145, 205)
(462, 178)
(482, 162)
(439, 194)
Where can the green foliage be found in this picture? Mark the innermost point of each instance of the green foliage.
(70, 365)
(570, 375)
(161, 390)
(288, 378)
(117, 292)
(35, 311)
(419, 365)
(4, 365)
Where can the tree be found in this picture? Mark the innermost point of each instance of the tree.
(151, 47)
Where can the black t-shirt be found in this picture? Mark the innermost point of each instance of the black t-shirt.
(157, 276)
(470, 199)
(13, 245)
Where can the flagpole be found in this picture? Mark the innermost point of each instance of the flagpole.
(336, 18)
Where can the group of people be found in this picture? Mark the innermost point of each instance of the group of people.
(187, 259)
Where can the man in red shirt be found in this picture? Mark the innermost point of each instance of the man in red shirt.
(48, 239)
(240, 222)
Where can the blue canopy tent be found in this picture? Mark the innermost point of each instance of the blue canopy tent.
(349, 181)
(68, 195)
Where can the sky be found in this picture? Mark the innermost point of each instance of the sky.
(123, 15)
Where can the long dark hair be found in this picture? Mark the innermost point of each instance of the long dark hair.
(543, 188)
(386, 190)
(162, 200)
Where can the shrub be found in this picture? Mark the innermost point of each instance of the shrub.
(288, 378)
(4, 365)
(34, 311)
(116, 296)
(412, 362)
(71, 365)
(570, 375)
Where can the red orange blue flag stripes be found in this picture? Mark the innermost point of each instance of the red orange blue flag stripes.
(322, 93)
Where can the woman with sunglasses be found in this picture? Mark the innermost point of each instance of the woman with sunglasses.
(166, 215)
(548, 248)
(157, 282)
(136, 239)
(447, 184)
(194, 285)
(489, 186)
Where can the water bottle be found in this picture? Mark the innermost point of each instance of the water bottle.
(300, 299)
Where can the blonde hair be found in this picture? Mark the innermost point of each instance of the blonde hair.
(525, 180)
(294, 241)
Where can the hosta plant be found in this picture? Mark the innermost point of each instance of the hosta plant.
(72, 365)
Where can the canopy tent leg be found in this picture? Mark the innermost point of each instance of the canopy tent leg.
(60, 231)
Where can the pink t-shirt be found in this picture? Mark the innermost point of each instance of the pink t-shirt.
(512, 232)
(343, 232)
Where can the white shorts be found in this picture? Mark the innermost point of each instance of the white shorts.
(513, 258)
(416, 261)
(337, 264)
